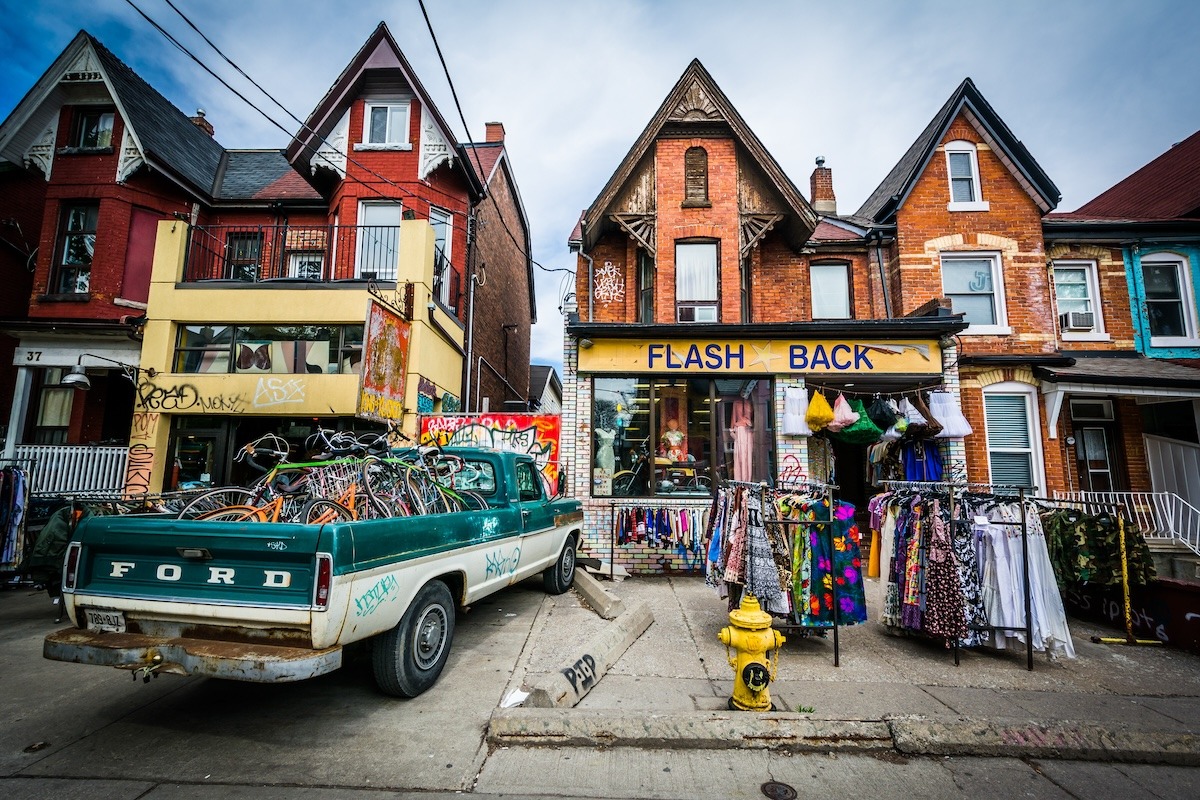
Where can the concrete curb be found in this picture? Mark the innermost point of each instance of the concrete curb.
(602, 601)
(1058, 739)
(565, 687)
(912, 735)
(705, 730)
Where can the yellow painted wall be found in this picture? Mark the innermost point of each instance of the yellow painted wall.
(436, 347)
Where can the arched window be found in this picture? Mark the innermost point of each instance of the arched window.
(695, 178)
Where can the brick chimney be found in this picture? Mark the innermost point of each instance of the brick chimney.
(823, 199)
(495, 132)
(200, 122)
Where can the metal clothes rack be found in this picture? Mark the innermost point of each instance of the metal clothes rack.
(817, 489)
(1005, 490)
(26, 464)
(612, 534)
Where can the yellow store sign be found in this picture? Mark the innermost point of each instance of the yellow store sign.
(827, 356)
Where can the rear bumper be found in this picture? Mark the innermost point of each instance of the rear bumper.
(257, 663)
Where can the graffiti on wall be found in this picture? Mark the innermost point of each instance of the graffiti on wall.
(138, 468)
(385, 364)
(610, 284)
(278, 392)
(536, 435)
(186, 397)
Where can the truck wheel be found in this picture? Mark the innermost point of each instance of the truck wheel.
(408, 659)
(559, 578)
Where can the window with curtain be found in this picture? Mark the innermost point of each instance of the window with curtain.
(1076, 295)
(696, 282)
(76, 247)
(830, 291)
(972, 282)
(1011, 438)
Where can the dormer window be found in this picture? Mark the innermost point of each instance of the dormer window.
(385, 126)
(695, 178)
(93, 129)
(962, 164)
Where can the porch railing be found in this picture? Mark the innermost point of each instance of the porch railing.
(59, 469)
(1160, 516)
(322, 253)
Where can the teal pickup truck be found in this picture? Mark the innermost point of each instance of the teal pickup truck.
(272, 602)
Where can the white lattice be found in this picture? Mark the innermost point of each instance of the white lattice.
(610, 284)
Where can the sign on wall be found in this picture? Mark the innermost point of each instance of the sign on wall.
(758, 357)
(386, 339)
(537, 435)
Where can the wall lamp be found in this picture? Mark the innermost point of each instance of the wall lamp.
(586, 343)
(77, 377)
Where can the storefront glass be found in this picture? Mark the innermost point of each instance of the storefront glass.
(700, 431)
(288, 349)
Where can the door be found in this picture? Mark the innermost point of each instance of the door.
(1093, 451)
(537, 515)
(378, 241)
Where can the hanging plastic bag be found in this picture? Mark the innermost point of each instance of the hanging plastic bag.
(843, 415)
(861, 431)
(795, 407)
(819, 413)
(881, 414)
(944, 406)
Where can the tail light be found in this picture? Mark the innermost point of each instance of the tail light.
(324, 582)
(71, 567)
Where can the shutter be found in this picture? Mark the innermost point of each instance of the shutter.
(695, 174)
(1010, 451)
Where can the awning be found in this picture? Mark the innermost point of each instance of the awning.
(1148, 380)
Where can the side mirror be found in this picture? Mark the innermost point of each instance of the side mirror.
(561, 488)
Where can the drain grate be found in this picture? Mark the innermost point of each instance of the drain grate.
(778, 791)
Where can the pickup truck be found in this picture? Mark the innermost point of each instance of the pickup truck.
(272, 602)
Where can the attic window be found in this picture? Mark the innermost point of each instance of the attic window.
(695, 178)
(385, 126)
(93, 129)
(962, 164)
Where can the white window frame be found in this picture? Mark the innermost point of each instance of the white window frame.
(363, 243)
(1032, 416)
(827, 269)
(393, 142)
(1097, 333)
(444, 286)
(704, 311)
(1183, 268)
(300, 263)
(1001, 326)
(977, 203)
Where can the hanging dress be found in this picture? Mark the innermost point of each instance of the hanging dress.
(743, 441)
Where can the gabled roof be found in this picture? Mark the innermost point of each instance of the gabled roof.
(487, 159)
(881, 206)
(1166, 188)
(697, 100)
(541, 376)
(261, 175)
(167, 139)
(374, 69)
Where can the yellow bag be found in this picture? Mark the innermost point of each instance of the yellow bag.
(820, 413)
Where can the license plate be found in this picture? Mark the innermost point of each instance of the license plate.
(103, 620)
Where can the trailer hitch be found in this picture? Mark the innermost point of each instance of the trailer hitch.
(149, 669)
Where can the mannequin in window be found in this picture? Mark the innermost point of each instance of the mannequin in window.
(605, 458)
(741, 424)
(674, 441)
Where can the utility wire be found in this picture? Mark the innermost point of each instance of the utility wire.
(462, 118)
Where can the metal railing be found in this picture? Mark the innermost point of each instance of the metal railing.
(58, 468)
(1162, 516)
(276, 253)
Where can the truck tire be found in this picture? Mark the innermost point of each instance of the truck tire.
(559, 578)
(408, 659)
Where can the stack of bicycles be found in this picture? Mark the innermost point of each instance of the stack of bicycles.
(349, 477)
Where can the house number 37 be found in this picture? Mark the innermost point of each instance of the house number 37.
(33, 355)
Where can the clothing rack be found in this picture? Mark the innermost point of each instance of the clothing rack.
(695, 530)
(1006, 490)
(17, 532)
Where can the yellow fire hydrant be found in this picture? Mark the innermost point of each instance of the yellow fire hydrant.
(751, 636)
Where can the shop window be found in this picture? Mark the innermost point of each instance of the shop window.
(280, 349)
(699, 432)
(830, 291)
(378, 240)
(1170, 305)
(442, 239)
(695, 178)
(974, 285)
(76, 247)
(243, 256)
(645, 263)
(93, 129)
(1012, 426)
(1077, 295)
(962, 164)
(54, 403)
(696, 285)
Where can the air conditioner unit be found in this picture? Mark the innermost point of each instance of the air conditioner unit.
(1077, 321)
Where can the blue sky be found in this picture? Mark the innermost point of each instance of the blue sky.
(1094, 89)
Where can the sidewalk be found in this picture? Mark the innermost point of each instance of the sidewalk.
(669, 690)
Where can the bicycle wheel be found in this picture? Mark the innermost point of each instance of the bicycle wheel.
(321, 511)
(216, 499)
(233, 514)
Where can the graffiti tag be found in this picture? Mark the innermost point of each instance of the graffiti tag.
(373, 598)
(185, 397)
(278, 391)
(582, 674)
(138, 468)
(499, 564)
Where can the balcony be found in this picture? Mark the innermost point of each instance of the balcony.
(285, 254)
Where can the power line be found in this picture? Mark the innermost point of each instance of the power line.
(474, 152)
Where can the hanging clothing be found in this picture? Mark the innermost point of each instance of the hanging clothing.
(741, 424)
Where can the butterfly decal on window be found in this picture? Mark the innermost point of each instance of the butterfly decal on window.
(254, 357)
